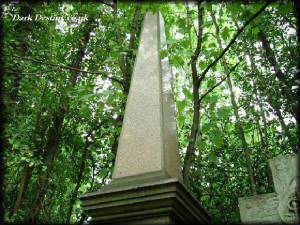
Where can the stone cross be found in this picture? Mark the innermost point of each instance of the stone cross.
(146, 186)
(281, 206)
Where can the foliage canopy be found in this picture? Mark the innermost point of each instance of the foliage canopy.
(66, 82)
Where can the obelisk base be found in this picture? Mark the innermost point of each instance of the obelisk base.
(165, 201)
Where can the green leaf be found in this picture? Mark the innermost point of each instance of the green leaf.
(153, 7)
(163, 53)
(87, 97)
(187, 93)
(225, 33)
(179, 60)
(207, 24)
(202, 65)
(285, 8)
(218, 141)
(180, 119)
(216, 132)
(103, 172)
(202, 146)
(212, 157)
(114, 53)
(188, 52)
(170, 42)
(119, 129)
(215, 54)
(211, 82)
(205, 128)
(110, 157)
(212, 99)
(184, 30)
(212, 45)
(44, 168)
(255, 30)
(85, 111)
(113, 43)
(106, 92)
(224, 112)
(181, 105)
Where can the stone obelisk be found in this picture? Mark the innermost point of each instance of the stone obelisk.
(146, 185)
(148, 143)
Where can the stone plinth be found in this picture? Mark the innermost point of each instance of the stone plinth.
(164, 201)
(146, 186)
(281, 206)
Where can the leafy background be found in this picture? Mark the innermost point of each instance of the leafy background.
(65, 85)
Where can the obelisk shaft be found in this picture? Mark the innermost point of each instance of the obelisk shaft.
(148, 141)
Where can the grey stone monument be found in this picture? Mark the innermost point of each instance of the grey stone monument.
(146, 186)
(279, 207)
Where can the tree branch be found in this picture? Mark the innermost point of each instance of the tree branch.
(12, 72)
(106, 3)
(134, 25)
(190, 152)
(233, 40)
(116, 20)
(129, 56)
(199, 35)
(66, 67)
(218, 84)
(196, 81)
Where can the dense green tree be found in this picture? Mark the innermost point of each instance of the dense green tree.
(65, 85)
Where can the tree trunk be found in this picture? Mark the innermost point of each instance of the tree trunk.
(236, 113)
(255, 71)
(79, 177)
(285, 85)
(21, 47)
(188, 160)
(52, 145)
(124, 59)
(48, 157)
(188, 19)
(189, 155)
(26, 174)
(275, 107)
(82, 167)
(27, 171)
(262, 114)
(242, 136)
(284, 128)
(263, 138)
(22, 30)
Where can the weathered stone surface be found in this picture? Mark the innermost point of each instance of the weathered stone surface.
(148, 141)
(281, 206)
(285, 172)
(162, 202)
(171, 152)
(260, 208)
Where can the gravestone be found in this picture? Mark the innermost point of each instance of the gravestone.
(146, 186)
(281, 206)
